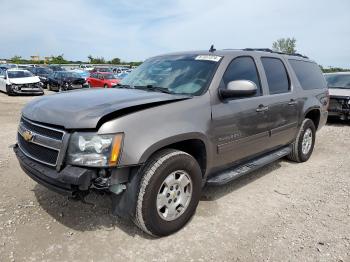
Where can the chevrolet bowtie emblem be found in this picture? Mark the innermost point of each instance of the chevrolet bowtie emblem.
(27, 135)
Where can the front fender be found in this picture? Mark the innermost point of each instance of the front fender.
(172, 140)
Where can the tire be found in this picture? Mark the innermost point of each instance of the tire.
(163, 165)
(48, 86)
(105, 86)
(9, 91)
(298, 154)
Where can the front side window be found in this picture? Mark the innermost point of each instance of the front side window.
(276, 74)
(242, 68)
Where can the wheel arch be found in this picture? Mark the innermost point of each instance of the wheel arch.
(194, 144)
(314, 114)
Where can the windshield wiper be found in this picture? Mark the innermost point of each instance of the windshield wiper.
(154, 88)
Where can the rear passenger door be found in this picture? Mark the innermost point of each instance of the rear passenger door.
(282, 113)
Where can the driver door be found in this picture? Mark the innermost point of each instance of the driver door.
(241, 123)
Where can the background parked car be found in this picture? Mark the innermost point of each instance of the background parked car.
(42, 72)
(19, 81)
(65, 80)
(86, 67)
(339, 91)
(101, 69)
(106, 80)
(84, 74)
(56, 68)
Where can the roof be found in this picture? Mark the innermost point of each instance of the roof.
(246, 51)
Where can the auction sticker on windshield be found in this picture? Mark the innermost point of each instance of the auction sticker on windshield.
(214, 58)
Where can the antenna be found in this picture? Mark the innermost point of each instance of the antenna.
(212, 49)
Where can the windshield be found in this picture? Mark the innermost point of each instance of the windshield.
(179, 74)
(19, 74)
(70, 74)
(338, 81)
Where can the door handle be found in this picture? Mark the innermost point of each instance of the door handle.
(262, 108)
(292, 102)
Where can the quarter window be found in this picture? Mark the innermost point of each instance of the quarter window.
(276, 74)
(243, 68)
(309, 74)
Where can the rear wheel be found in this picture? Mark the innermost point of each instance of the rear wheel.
(169, 192)
(303, 145)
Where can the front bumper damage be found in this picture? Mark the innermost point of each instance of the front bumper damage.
(29, 89)
(72, 179)
(340, 107)
(69, 181)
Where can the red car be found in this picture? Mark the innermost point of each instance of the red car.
(106, 80)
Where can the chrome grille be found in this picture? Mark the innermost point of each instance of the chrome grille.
(41, 143)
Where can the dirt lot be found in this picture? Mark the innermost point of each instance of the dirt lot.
(284, 212)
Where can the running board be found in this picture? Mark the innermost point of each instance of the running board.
(243, 169)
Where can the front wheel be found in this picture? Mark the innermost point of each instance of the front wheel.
(169, 192)
(9, 91)
(303, 145)
(105, 86)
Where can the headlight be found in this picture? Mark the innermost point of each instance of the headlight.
(90, 149)
(42, 78)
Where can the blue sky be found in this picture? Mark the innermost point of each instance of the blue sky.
(134, 30)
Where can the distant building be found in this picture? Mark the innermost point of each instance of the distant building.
(35, 58)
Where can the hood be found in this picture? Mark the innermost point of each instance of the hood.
(85, 108)
(24, 80)
(339, 92)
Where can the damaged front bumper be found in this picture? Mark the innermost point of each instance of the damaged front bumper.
(69, 181)
(72, 179)
(22, 90)
(340, 107)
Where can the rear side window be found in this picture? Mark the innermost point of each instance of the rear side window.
(242, 68)
(276, 74)
(309, 74)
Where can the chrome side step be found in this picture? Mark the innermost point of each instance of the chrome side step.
(243, 169)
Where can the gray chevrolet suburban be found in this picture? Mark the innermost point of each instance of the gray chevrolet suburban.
(176, 123)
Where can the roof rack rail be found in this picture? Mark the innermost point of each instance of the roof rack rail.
(272, 51)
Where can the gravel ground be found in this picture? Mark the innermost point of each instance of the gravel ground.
(283, 212)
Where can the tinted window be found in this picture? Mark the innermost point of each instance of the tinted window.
(242, 68)
(309, 74)
(276, 75)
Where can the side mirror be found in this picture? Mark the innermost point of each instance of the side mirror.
(238, 88)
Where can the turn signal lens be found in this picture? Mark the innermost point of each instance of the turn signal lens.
(117, 145)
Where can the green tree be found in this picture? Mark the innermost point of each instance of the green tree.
(96, 60)
(115, 61)
(16, 59)
(285, 45)
(58, 60)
